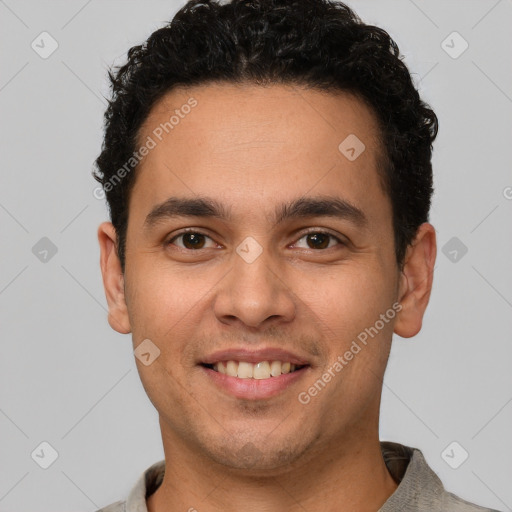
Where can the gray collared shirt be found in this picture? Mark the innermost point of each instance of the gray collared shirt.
(419, 489)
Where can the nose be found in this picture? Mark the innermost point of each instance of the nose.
(254, 294)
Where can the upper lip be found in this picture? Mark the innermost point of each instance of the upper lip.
(254, 356)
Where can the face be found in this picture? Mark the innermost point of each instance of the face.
(252, 238)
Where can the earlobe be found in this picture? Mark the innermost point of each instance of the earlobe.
(113, 279)
(416, 281)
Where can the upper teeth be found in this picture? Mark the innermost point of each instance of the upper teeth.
(261, 370)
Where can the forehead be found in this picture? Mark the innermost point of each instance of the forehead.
(224, 114)
(249, 142)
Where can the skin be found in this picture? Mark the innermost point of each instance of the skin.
(251, 148)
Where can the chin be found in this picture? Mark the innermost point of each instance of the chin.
(254, 456)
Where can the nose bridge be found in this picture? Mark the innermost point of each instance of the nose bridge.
(252, 292)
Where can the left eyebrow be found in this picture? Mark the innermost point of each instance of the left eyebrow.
(321, 207)
(299, 208)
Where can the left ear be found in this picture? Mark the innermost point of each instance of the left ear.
(416, 281)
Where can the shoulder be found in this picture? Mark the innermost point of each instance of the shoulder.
(452, 503)
(419, 488)
(118, 506)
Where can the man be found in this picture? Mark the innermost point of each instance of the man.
(267, 165)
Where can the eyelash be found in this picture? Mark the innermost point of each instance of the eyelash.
(195, 232)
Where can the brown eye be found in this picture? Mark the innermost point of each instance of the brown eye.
(318, 240)
(193, 240)
(190, 240)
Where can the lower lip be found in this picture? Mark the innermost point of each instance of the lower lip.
(254, 389)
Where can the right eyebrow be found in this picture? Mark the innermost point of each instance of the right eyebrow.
(186, 207)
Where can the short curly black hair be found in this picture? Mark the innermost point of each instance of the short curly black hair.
(320, 44)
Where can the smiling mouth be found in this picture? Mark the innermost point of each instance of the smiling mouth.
(260, 371)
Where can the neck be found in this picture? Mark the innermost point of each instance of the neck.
(349, 475)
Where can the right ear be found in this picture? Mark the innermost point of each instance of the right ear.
(113, 279)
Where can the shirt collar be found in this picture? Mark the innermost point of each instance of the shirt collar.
(418, 483)
(146, 485)
(406, 465)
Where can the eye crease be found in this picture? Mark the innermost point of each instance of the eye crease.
(194, 240)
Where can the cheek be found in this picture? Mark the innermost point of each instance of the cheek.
(161, 307)
(348, 307)
(161, 301)
(346, 299)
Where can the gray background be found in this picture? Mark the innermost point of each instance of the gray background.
(69, 380)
